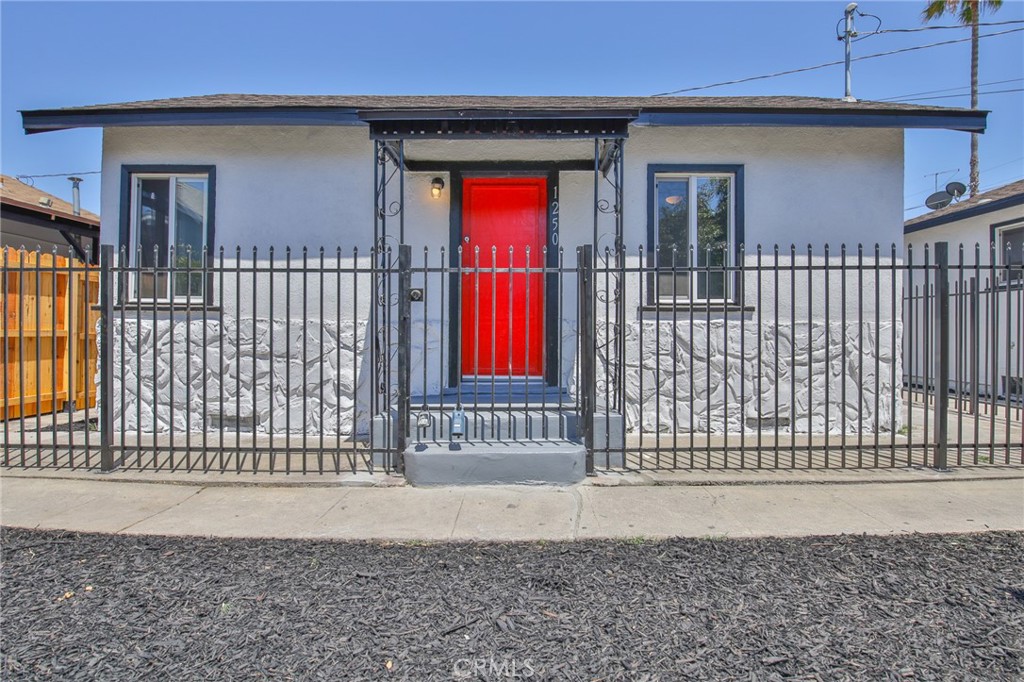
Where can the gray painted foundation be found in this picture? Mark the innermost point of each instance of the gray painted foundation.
(533, 463)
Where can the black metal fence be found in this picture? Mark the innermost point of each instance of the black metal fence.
(338, 361)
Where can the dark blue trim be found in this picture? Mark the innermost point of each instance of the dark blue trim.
(976, 210)
(739, 229)
(54, 119)
(1007, 223)
(995, 227)
(41, 122)
(967, 122)
(124, 212)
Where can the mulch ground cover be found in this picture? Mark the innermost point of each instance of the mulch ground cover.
(830, 608)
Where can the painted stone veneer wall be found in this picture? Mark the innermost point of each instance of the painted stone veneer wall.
(317, 378)
(715, 377)
(327, 382)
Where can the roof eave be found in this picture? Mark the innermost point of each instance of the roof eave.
(48, 120)
(976, 210)
(50, 214)
(55, 119)
(966, 121)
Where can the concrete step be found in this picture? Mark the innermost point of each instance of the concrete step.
(500, 424)
(552, 462)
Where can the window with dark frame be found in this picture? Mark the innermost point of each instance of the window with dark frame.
(169, 216)
(694, 220)
(1010, 245)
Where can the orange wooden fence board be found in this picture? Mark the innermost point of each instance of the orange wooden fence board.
(48, 325)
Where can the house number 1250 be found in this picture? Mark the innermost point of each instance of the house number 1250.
(554, 219)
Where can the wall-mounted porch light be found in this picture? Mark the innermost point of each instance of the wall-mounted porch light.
(436, 185)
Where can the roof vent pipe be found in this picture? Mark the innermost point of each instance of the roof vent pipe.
(76, 203)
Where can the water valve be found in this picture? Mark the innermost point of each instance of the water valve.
(458, 423)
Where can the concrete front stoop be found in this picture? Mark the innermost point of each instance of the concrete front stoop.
(550, 462)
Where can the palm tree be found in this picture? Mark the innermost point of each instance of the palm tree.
(967, 13)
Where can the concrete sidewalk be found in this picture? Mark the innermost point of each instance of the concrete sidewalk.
(885, 505)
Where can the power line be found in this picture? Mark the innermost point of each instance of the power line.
(935, 28)
(983, 170)
(933, 92)
(835, 63)
(963, 94)
(58, 175)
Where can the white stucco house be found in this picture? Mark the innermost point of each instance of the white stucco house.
(729, 349)
(985, 234)
(994, 218)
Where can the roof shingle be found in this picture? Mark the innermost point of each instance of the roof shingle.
(443, 102)
(13, 189)
(978, 201)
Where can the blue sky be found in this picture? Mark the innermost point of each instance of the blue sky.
(72, 53)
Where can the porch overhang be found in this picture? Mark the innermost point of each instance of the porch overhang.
(494, 127)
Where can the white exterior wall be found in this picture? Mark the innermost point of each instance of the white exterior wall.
(966, 233)
(313, 186)
(802, 185)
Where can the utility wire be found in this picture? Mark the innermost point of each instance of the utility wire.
(30, 179)
(963, 94)
(934, 28)
(58, 175)
(835, 63)
(983, 170)
(935, 92)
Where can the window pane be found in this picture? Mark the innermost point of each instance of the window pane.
(673, 210)
(189, 232)
(1011, 246)
(152, 218)
(712, 235)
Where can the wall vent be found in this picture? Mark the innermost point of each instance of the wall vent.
(767, 423)
(244, 423)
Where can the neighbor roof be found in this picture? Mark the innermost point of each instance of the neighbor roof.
(17, 194)
(241, 109)
(985, 202)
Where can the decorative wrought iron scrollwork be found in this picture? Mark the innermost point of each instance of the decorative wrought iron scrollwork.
(609, 259)
(389, 160)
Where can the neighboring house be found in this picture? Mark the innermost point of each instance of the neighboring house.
(987, 233)
(992, 219)
(35, 219)
(718, 175)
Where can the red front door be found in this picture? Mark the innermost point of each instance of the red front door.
(504, 227)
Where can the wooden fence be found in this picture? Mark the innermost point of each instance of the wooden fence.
(49, 333)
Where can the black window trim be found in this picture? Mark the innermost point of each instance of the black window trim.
(128, 171)
(653, 170)
(995, 230)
